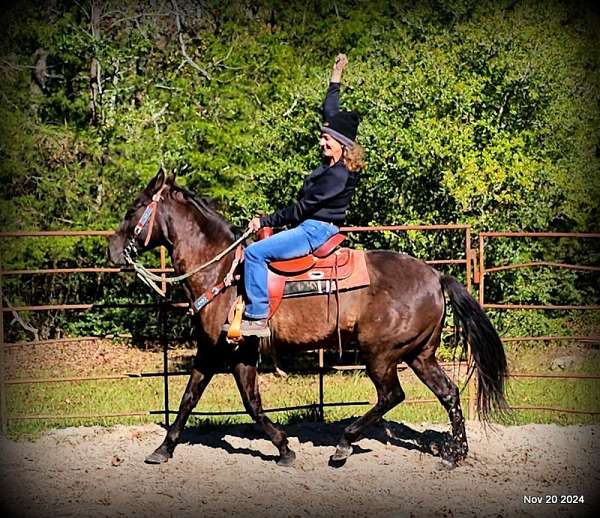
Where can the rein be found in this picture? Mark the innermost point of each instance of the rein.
(149, 278)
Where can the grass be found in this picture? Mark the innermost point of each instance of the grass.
(142, 394)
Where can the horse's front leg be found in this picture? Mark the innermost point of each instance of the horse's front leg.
(243, 363)
(199, 379)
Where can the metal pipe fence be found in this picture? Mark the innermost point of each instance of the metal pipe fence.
(475, 269)
(485, 270)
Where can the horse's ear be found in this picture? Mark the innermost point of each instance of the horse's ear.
(157, 182)
(171, 178)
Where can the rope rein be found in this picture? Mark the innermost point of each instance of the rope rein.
(150, 278)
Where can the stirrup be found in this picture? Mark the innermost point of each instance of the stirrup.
(234, 332)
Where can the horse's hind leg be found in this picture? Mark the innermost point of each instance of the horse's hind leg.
(202, 373)
(383, 373)
(244, 363)
(428, 370)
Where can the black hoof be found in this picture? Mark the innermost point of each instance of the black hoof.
(335, 462)
(452, 453)
(159, 456)
(287, 460)
(339, 458)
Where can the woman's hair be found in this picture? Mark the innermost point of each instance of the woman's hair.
(354, 157)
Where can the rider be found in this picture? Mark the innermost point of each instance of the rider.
(318, 212)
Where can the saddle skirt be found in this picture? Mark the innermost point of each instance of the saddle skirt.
(326, 270)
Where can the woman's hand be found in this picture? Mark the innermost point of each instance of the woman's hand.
(254, 224)
(341, 60)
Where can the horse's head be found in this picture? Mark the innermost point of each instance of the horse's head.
(144, 225)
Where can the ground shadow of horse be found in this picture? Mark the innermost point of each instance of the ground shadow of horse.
(319, 434)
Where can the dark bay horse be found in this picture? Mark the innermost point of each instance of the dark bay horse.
(398, 317)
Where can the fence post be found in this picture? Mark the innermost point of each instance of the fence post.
(471, 385)
(321, 386)
(163, 337)
(468, 257)
(3, 415)
(473, 382)
(481, 271)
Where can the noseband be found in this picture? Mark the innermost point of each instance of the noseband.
(131, 249)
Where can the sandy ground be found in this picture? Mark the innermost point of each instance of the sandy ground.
(230, 471)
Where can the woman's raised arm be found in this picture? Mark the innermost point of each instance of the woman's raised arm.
(332, 99)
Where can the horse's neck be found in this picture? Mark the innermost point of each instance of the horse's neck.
(192, 247)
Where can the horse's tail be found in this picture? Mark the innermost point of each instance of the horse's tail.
(486, 348)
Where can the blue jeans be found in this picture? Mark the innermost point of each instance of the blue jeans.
(288, 244)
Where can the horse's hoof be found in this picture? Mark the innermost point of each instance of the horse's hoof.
(158, 457)
(287, 460)
(451, 454)
(338, 459)
(335, 462)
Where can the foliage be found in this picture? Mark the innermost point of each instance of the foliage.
(472, 112)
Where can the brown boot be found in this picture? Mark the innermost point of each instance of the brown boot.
(256, 328)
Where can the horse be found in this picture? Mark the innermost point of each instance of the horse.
(397, 318)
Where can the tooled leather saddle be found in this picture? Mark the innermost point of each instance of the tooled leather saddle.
(326, 270)
(329, 269)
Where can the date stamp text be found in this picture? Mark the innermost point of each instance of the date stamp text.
(553, 499)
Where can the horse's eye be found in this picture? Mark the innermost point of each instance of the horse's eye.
(131, 211)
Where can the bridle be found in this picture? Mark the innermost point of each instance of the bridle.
(130, 252)
(131, 249)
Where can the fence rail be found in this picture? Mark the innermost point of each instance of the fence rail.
(475, 270)
(484, 270)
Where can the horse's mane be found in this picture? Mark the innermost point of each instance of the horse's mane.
(207, 209)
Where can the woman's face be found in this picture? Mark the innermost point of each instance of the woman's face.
(331, 147)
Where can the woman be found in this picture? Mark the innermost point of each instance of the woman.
(317, 214)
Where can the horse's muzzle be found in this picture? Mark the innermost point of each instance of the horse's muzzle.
(115, 250)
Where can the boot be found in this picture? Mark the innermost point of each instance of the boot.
(252, 328)
(256, 328)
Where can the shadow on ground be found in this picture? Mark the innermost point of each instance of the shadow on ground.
(319, 434)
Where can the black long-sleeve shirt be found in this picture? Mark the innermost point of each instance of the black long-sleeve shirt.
(326, 192)
(331, 104)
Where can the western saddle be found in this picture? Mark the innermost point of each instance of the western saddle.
(331, 268)
(339, 268)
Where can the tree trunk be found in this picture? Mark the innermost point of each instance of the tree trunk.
(38, 76)
(95, 70)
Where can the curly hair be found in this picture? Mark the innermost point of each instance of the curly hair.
(354, 158)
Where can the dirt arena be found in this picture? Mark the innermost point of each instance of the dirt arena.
(230, 471)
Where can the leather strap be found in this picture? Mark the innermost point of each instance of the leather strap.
(211, 293)
(337, 301)
(149, 216)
